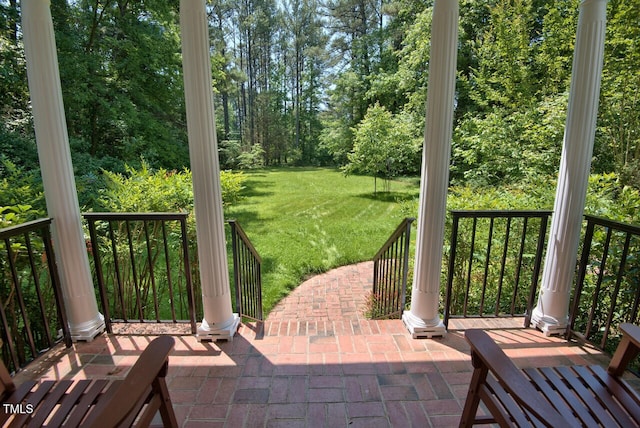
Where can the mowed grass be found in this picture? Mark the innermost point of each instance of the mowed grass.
(304, 221)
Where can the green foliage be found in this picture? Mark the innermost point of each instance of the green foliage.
(252, 159)
(383, 146)
(308, 220)
(618, 138)
(229, 153)
(122, 83)
(19, 188)
(147, 190)
(507, 146)
(608, 196)
(16, 214)
(505, 76)
(231, 184)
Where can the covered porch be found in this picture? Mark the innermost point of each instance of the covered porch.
(423, 319)
(329, 367)
(316, 360)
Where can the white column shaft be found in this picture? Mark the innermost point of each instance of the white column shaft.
(85, 321)
(424, 319)
(551, 312)
(219, 320)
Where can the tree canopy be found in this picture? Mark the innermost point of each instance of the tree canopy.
(306, 82)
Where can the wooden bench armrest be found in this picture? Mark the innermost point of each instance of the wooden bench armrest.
(486, 353)
(627, 349)
(152, 363)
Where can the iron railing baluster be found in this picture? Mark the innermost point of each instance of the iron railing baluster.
(247, 276)
(153, 298)
(594, 285)
(390, 271)
(476, 278)
(32, 326)
(523, 242)
(505, 252)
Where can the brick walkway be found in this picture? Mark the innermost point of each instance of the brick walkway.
(316, 362)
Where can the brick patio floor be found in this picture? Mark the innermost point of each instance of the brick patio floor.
(317, 362)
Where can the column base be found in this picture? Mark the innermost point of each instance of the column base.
(548, 325)
(420, 329)
(87, 331)
(225, 331)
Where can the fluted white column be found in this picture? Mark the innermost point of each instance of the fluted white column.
(85, 322)
(423, 319)
(552, 309)
(219, 320)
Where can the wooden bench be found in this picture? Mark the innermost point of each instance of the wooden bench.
(133, 401)
(551, 397)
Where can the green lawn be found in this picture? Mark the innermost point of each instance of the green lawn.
(309, 220)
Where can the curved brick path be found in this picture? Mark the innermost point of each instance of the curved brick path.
(326, 304)
(335, 295)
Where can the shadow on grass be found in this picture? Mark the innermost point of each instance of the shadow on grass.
(244, 216)
(389, 196)
(256, 188)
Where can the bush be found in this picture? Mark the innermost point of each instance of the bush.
(253, 159)
(232, 185)
(145, 190)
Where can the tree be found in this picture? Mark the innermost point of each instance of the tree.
(121, 77)
(618, 140)
(505, 76)
(355, 27)
(383, 147)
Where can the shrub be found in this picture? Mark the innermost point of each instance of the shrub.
(232, 185)
(145, 190)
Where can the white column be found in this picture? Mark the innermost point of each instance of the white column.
(552, 310)
(423, 320)
(85, 322)
(219, 320)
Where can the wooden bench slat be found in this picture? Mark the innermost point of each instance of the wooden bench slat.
(49, 402)
(605, 396)
(513, 410)
(570, 398)
(82, 407)
(573, 396)
(99, 403)
(16, 398)
(587, 396)
(556, 400)
(627, 396)
(34, 398)
(67, 403)
(494, 405)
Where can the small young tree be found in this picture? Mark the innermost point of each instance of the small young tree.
(384, 146)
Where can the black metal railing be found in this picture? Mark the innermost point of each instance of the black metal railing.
(29, 289)
(142, 267)
(607, 286)
(495, 259)
(247, 276)
(390, 274)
